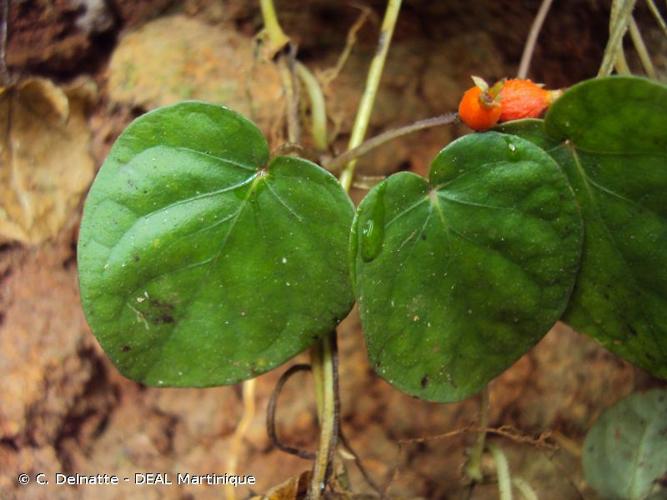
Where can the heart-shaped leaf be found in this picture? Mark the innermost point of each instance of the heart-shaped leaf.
(458, 276)
(199, 264)
(625, 452)
(610, 137)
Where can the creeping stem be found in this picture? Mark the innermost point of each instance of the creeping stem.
(286, 67)
(240, 432)
(324, 360)
(378, 140)
(323, 353)
(370, 91)
(277, 37)
(531, 41)
(324, 356)
(474, 467)
(503, 471)
(620, 18)
(642, 51)
(318, 110)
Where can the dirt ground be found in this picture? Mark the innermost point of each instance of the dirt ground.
(65, 408)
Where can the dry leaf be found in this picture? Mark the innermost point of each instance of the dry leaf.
(45, 164)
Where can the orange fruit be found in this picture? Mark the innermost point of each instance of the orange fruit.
(479, 109)
(523, 99)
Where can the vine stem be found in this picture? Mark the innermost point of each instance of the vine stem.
(378, 140)
(323, 353)
(324, 359)
(286, 68)
(531, 41)
(505, 431)
(318, 110)
(642, 51)
(474, 467)
(271, 414)
(656, 14)
(286, 63)
(241, 429)
(620, 62)
(370, 91)
(619, 20)
(277, 37)
(503, 471)
(526, 489)
(329, 75)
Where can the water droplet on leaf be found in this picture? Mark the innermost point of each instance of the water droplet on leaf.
(372, 231)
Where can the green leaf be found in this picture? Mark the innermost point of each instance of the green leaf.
(625, 452)
(458, 276)
(199, 264)
(610, 137)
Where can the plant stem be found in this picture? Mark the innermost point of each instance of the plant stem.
(569, 445)
(526, 489)
(239, 433)
(318, 109)
(360, 464)
(271, 410)
(378, 140)
(640, 46)
(323, 363)
(531, 41)
(621, 64)
(474, 467)
(278, 40)
(331, 74)
(323, 352)
(370, 91)
(277, 37)
(656, 14)
(324, 357)
(286, 69)
(621, 12)
(503, 471)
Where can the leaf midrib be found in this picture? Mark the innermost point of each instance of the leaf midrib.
(572, 149)
(639, 452)
(164, 339)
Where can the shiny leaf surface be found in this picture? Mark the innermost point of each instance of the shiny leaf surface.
(200, 264)
(459, 275)
(610, 137)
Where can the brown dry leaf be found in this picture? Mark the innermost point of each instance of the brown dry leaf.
(294, 488)
(45, 163)
(176, 58)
